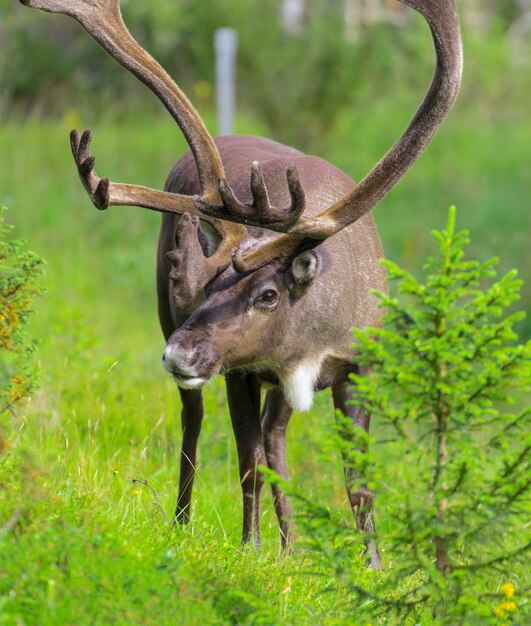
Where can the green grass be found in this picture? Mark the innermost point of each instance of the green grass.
(80, 543)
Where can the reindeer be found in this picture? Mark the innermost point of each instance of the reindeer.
(261, 275)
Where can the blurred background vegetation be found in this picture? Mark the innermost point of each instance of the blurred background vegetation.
(309, 57)
(340, 78)
(299, 60)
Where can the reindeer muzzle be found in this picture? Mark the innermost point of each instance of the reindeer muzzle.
(190, 358)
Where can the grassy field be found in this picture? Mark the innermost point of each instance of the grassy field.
(88, 546)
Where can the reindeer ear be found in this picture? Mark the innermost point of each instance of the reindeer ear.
(304, 268)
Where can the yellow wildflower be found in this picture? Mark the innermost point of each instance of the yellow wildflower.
(507, 606)
(136, 492)
(499, 612)
(15, 396)
(508, 590)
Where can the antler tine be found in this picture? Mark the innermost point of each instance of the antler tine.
(444, 24)
(261, 197)
(259, 212)
(296, 192)
(97, 188)
(258, 189)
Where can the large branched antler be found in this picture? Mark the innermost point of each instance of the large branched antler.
(217, 203)
(102, 19)
(306, 232)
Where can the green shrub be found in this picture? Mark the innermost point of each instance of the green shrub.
(450, 461)
(20, 282)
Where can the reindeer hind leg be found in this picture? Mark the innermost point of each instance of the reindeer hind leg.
(361, 499)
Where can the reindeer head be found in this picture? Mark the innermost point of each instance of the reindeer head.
(241, 321)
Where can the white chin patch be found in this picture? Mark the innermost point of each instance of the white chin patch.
(189, 383)
(298, 385)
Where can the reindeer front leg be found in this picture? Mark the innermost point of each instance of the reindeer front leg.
(244, 403)
(275, 419)
(191, 419)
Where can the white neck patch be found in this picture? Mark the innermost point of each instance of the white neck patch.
(298, 385)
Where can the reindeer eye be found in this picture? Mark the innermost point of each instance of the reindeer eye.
(269, 297)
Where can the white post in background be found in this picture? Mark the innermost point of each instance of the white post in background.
(353, 17)
(292, 12)
(226, 46)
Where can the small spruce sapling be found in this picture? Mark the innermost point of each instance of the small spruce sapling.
(449, 457)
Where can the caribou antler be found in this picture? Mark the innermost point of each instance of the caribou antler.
(444, 24)
(102, 19)
(218, 204)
